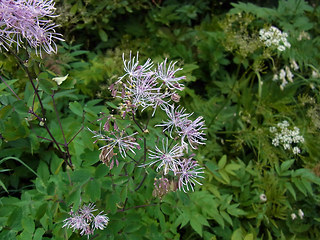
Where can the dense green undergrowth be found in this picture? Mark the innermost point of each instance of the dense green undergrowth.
(257, 184)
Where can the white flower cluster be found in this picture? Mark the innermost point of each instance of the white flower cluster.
(303, 36)
(300, 213)
(286, 137)
(273, 37)
(285, 75)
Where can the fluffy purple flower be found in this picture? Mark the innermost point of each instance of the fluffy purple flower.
(117, 138)
(133, 69)
(101, 221)
(188, 171)
(176, 118)
(85, 221)
(28, 19)
(167, 75)
(193, 131)
(168, 157)
(86, 211)
(76, 221)
(141, 91)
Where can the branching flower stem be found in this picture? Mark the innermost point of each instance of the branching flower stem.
(65, 155)
(10, 88)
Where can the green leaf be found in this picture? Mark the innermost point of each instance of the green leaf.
(299, 185)
(38, 234)
(291, 190)
(20, 161)
(222, 161)
(132, 227)
(230, 168)
(196, 226)
(248, 237)
(76, 108)
(3, 186)
(41, 211)
(14, 220)
(226, 217)
(101, 171)
(124, 193)
(286, 165)
(212, 167)
(237, 234)
(112, 105)
(8, 82)
(28, 224)
(25, 235)
(47, 85)
(93, 190)
(235, 211)
(103, 35)
(74, 199)
(166, 208)
(197, 222)
(5, 111)
(80, 175)
(225, 176)
(182, 220)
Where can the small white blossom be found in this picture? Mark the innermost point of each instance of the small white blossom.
(300, 213)
(294, 65)
(293, 216)
(303, 35)
(263, 197)
(315, 74)
(289, 74)
(285, 75)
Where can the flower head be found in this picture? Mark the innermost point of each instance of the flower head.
(193, 131)
(263, 197)
(176, 118)
(188, 172)
(300, 213)
(273, 37)
(85, 221)
(168, 157)
(132, 67)
(28, 19)
(117, 139)
(287, 137)
(161, 187)
(101, 221)
(167, 75)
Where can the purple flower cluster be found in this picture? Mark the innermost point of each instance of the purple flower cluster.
(28, 20)
(85, 221)
(142, 86)
(116, 139)
(161, 187)
(192, 131)
(171, 159)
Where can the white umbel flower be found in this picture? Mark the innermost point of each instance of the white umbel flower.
(287, 137)
(273, 37)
